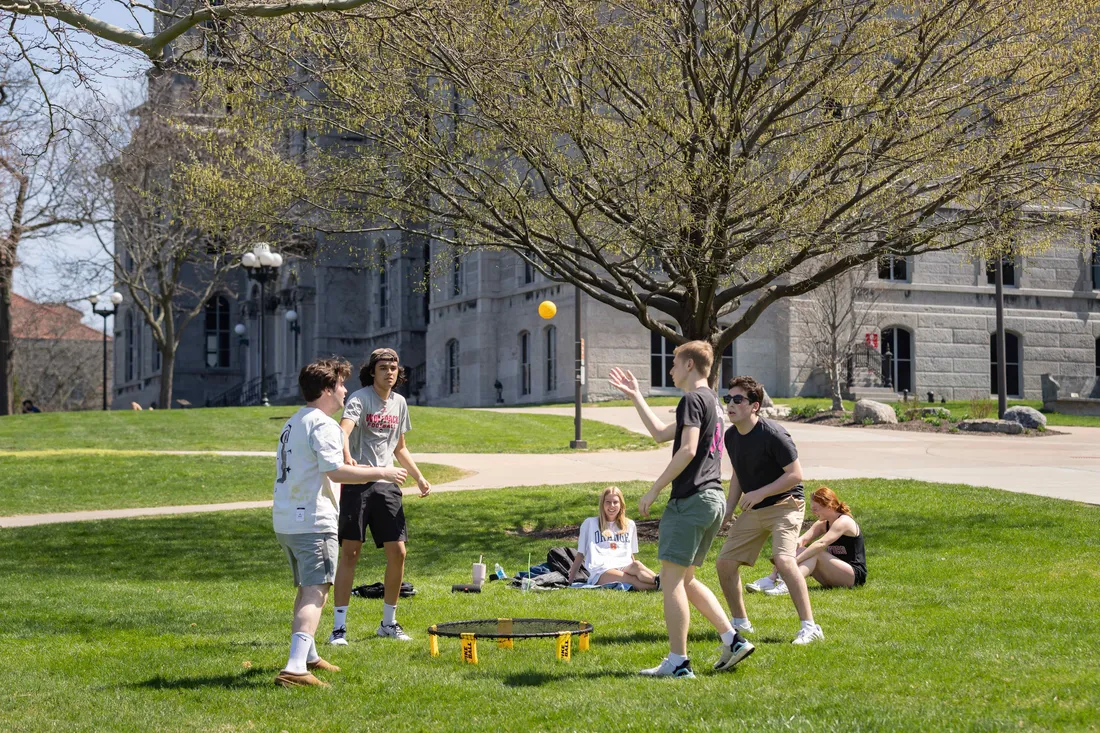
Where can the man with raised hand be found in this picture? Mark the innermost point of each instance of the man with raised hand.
(374, 423)
(767, 483)
(694, 512)
(310, 466)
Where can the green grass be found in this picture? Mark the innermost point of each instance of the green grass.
(958, 408)
(435, 430)
(977, 616)
(66, 482)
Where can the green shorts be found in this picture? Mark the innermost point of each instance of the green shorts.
(312, 556)
(689, 526)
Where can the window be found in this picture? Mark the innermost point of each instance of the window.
(1096, 260)
(456, 273)
(1012, 364)
(897, 359)
(727, 366)
(660, 360)
(452, 367)
(1008, 267)
(525, 363)
(552, 358)
(528, 273)
(1098, 357)
(217, 333)
(139, 347)
(129, 346)
(893, 268)
(383, 299)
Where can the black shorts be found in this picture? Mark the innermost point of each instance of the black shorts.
(376, 505)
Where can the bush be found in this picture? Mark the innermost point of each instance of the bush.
(981, 408)
(805, 412)
(933, 421)
(868, 421)
(901, 409)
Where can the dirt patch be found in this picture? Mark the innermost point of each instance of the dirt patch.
(647, 531)
(844, 420)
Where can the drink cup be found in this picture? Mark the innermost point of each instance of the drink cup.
(479, 573)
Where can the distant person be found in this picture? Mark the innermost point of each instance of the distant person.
(606, 546)
(767, 484)
(836, 560)
(29, 407)
(310, 466)
(374, 423)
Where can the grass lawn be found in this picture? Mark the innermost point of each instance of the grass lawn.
(66, 482)
(958, 408)
(435, 430)
(978, 615)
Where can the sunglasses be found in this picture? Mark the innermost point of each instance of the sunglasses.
(736, 399)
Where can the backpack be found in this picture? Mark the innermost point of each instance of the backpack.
(560, 559)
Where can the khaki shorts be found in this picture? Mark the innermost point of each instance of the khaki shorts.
(749, 531)
(312, 556)
(688, 527)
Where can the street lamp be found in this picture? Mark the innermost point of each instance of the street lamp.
(261, 265)
(115, 300)
(291, 317)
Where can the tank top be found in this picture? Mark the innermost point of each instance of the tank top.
(849, 549)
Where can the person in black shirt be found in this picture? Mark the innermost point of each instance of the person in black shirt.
(767, 483)
(693, 516)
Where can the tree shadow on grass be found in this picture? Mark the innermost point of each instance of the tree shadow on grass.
(658, 635)
(254, 677)
(538, 679)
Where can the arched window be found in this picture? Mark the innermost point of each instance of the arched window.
(452, 366)
(383, 284)
(660, 360)
(457, 274)
(524, 363)
(139, 347)
(129, 346)
(552, 358)
(217, 333)
(1012, 364)
(897, 359)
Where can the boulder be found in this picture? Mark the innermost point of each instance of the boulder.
(775, 411)
(1029, 417)
(878, 413)
(1008, 427)
(766, 401)
(922, 412)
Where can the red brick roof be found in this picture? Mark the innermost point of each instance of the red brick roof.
(49, 321)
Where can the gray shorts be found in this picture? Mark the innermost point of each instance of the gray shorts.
(689, 526)
(312, 556)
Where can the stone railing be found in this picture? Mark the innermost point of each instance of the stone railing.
(1071, 395)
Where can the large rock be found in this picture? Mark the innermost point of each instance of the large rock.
(1029, 417)
(1008, 427)
(775, 411)
(878, 413)
(922, 412)
(766, 401)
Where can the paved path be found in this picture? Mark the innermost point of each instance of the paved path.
(1064, 466)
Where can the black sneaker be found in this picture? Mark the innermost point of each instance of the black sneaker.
(733, 653)
(665, 669)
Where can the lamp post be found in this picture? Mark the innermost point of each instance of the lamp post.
(115, 300)
(291, 317)
(261, 265)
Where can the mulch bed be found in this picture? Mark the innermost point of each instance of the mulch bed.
(844, 420)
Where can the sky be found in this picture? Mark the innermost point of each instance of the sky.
(41, 274)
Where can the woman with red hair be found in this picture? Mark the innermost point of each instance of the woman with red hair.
(831, 551)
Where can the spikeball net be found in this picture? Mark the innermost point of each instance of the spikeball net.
(505, 630)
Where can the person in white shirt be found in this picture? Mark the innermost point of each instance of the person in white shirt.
(306, 509)
(607, 544)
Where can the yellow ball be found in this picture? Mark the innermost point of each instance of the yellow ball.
(547, 309)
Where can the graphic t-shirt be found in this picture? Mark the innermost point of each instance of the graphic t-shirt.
(378, 426)
(310, 445)
(699, 408)
(758, 458)
(606, 553)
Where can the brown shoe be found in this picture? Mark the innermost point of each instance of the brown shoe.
(289, 679)
(322, 665)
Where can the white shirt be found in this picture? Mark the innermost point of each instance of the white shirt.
(306, 501)
(606, 553)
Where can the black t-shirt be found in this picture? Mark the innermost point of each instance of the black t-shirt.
(699, 409)
(758, 458)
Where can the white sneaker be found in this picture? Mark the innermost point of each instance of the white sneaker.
(394, 631)
(780, 589)
(745, 628)
(808, 635)
(759, 586)
(665, 669)
(339, 637)
(734, 653)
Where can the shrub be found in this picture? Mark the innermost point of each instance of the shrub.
(933, 421)
(868, 421)
(805, 412)
(902, 411)
(981, 408)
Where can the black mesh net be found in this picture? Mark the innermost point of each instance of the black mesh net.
(511, 628)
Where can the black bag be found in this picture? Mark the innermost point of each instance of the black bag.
(378, 590)
(560, 559)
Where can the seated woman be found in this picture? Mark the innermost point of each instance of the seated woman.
(607, 544)
(836, 560)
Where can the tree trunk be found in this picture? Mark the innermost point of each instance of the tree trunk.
(167, 370)
(835, 388)
(7, 339)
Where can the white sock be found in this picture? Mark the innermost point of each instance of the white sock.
(676, 659)
(340, 618)
(299, 648)
(809, 624)
(312, 655)
(729, 636)
(735, 622)
(389, 614)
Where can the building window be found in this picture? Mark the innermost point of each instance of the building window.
(528, 273)
(129, 346)
(552, 358)
(1096, 260)
(139, 347)
(893, 268)
(897, 359)
(217, 333)
(660, 360)
(456, 273)
(524, 363)
(727, 365)
(452, 367)
(1098, 357)
(383, 298)
(1012, 364)
(1008, 267)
